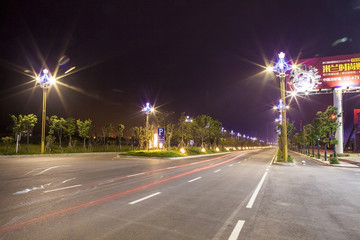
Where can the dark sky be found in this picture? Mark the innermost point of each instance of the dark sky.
(198, 57)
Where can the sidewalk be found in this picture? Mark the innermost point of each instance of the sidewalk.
(351, 161)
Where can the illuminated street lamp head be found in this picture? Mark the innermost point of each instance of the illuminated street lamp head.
(148, 109)
(281, 66)
(45, 80)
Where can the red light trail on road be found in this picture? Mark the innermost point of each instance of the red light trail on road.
(116, 195)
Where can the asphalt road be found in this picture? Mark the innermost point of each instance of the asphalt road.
(233, 196)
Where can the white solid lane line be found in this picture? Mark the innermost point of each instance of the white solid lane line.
(253, 197)
(217, 170)
(50, 169)
(192, 180)
(64, 188)
(235, 233)
(137, 174)
(144, 198)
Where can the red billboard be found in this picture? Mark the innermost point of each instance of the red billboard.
(325, 73)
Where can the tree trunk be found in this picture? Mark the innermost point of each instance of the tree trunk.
(27, 139)
(325, 155)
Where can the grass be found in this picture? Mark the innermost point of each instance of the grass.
(280, 157)
(153, 153)
(55, 149)
(125, 150)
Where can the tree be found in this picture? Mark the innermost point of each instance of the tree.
(57, 125)
(69, 129)
(310, 136)
(23, 124)
(107, 131)
(84, 128)
(317, 127)
(202, 128)
(50, 139)
(120, 133)
(28, 122)
(170, 130)
(17, 130)
(7, 141)
(328, 126)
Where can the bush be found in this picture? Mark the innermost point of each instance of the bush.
(333, 160)
(193, 150)
(281, 159)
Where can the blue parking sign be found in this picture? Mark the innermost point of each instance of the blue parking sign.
(161, 134)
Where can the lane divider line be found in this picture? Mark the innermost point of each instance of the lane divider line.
(110, 197)
(193, 180)
(236, 232)
(217, 170)
(254, 195)
(64, 188)
(144, 198)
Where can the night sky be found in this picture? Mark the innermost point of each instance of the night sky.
(197, 57)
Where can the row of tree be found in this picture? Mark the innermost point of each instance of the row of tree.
(202, 131)
(321, 131)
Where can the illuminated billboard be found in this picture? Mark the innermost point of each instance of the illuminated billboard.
(314, 74)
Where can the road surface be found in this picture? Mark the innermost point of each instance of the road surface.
(239, 195)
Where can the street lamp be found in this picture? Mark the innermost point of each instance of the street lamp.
(45, 81)
(147, 110)
(281, 67)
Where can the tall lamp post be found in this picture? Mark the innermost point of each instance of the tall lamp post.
(147, 110)
(45, 81)
(281, 67)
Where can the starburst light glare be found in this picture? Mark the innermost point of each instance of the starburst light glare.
(182, 150)
(148, 109)
(281, 66)
(45, 80)
(188, 119)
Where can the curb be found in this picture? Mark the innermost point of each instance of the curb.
(273, 161)
(56, 154)
(323, 162)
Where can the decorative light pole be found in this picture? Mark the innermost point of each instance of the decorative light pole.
(45, 81)
(281, 67)
(147, 110)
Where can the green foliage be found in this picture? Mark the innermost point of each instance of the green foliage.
(120, 133)
(152, 153)
(280, 157)
(69, 129)
(193, 150)
(333, 160)
(84, 128)
(7, 141)
(328, 123)
(24, 124)
(58, 126)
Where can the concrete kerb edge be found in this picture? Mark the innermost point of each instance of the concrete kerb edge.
(323, 162)
(282, 163)
(56, 154)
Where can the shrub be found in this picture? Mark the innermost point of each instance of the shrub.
(333, 160)
(193, 150)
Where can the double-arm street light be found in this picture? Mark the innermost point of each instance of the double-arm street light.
(147, 110)
(45, 81)
(281, 67)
